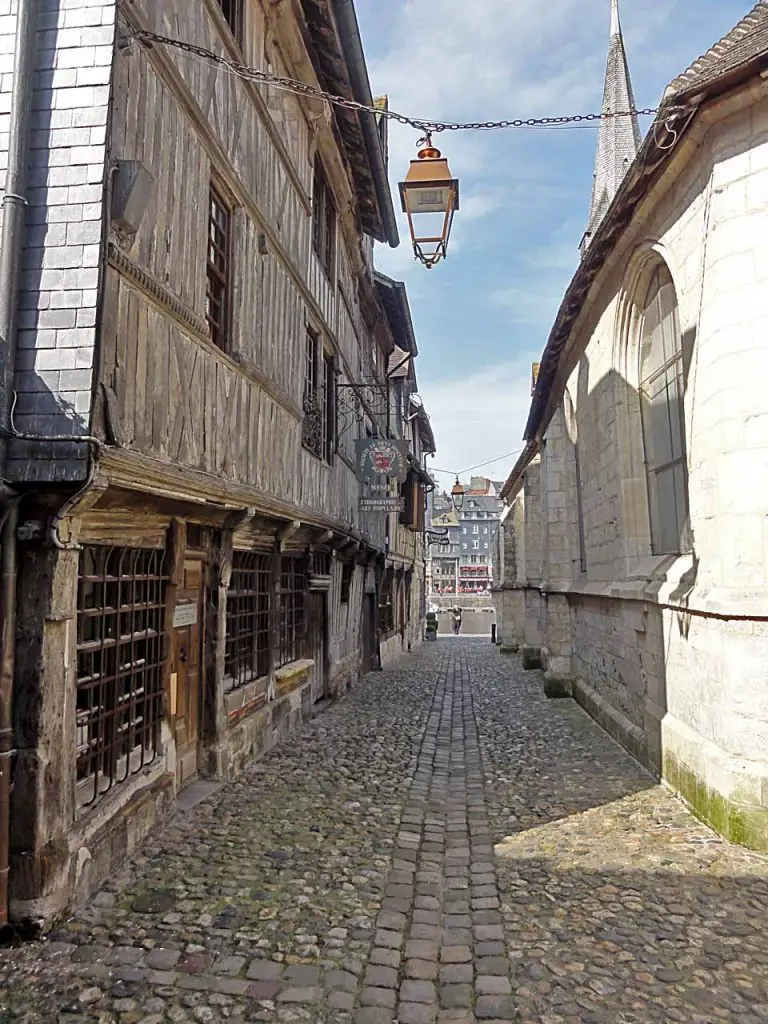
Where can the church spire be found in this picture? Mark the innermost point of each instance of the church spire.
(619, 138)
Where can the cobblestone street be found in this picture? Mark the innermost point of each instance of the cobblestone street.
(443, 845)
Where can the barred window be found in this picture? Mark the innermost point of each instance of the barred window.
(294, 585)
(246, 646)
(121, 652)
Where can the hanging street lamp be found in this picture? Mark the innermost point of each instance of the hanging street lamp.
(430, 194)
(457, 496)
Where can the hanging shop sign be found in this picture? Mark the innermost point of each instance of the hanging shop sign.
(381, 504)
(381, 457)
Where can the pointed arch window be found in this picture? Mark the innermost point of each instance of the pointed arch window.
(662, 392)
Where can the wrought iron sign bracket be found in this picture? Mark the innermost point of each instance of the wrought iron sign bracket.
(355, 402)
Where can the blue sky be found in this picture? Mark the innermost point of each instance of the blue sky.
(483, 316)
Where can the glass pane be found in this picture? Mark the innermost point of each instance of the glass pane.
(676, 410)
(681, 507)
(668, 318)
(652, 347)
(656, 431)
(665, 529)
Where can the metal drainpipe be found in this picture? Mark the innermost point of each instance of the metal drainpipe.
(14, 204)
(7, 659)
(14, 208)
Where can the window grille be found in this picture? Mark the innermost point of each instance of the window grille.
(246, 646)
(294, 583)
(121, 654)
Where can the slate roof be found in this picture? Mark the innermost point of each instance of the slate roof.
(743, 44)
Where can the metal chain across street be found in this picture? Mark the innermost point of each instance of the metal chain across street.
(427, 127)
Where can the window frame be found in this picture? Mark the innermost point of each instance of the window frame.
(233, 12)
(318, 432)
(121, 654)
(656, 280)
(324, 220)
(293, 610)
(247, 629)
(220, 327)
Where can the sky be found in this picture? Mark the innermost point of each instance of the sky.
(483, 316)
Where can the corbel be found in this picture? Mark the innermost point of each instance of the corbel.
(285, 533)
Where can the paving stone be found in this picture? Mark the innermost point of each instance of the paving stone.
(455, 996)
(416, 1013)
(456, 974)
(381, 977)
(377, 997)
(495, 1008)
(418, 992)
(606, 901)
(424, 969)
(344, 981)
(301, 994)
(492, 985)
(455, 954)
(264, 971)
(387, 957)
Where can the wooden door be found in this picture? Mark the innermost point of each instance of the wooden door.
(317, 625)
(187, 644)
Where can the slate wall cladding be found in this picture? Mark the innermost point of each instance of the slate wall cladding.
(62, 250)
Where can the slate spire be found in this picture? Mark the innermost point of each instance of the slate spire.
(619, 138)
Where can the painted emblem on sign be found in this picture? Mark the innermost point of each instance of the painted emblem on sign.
(382, 457)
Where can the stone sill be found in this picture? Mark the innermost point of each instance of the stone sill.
(667, 590)
(292, 675)
(247, 698)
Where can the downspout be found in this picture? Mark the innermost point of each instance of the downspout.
(14, 207)
(349, 31)
(14, 204)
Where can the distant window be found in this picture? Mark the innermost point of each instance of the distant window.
(475, 545)
(219, 269)
(319, 425)
(475, 529)
(233, 14)
(662, 391)
(323, 220)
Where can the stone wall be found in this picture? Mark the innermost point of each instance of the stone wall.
(668, 652)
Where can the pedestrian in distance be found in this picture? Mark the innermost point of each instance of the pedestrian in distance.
(457, 613)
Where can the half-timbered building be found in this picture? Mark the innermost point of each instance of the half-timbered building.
(201, 339)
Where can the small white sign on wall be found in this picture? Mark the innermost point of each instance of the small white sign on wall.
(185, 615)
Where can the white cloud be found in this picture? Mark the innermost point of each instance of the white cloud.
(480, 416)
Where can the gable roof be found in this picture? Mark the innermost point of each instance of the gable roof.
(740, 46)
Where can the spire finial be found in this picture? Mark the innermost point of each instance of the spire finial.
(615, 23)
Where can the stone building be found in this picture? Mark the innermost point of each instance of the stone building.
(634, 545)
(195, 342)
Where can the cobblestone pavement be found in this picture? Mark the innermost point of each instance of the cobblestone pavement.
(443, 845)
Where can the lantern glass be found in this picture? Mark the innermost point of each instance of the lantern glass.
(430, 197)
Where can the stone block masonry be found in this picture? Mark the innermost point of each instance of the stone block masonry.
(65, 222)
(443, 846)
